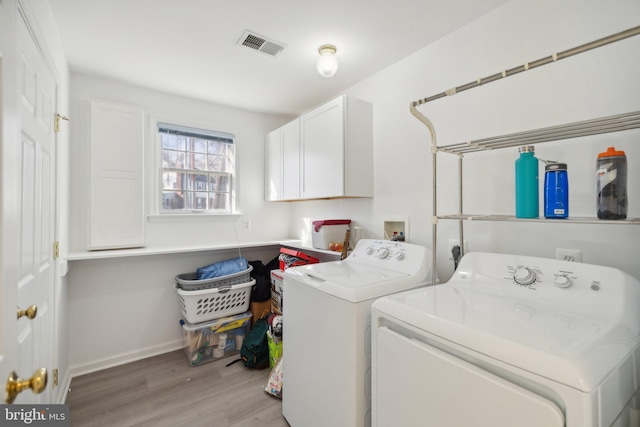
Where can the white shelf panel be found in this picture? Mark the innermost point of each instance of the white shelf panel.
(570, 220)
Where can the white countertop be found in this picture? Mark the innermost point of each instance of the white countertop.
(322, 254)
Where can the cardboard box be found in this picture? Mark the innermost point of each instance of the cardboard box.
(277, 281)
(258, 309)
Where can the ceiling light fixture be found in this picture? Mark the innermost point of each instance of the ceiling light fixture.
(327, 63)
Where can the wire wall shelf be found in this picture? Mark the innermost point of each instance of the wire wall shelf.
(617, 123)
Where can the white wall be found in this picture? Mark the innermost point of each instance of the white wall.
(123, 309)
(126, 308)
(249, 129)
(598, 83)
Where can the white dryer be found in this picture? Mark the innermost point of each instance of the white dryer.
(327, 330)
(510, 341)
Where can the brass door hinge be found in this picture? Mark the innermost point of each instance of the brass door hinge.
(56, 250)
(55, 378)
(56, 122)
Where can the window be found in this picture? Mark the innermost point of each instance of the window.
(197, 169)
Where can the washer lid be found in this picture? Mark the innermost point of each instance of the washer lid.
(353, 282)
(556, 333)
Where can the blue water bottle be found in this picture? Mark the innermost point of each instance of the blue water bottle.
(556, 191)
(527, 184)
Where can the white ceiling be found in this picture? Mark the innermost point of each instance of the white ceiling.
(188, 47)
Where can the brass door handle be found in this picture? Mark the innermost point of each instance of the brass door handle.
(30, 312)
(15, 385)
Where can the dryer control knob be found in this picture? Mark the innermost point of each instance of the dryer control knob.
(399, 256)
(562, 281)
(382, 253)
(524, 276)
(369, 250)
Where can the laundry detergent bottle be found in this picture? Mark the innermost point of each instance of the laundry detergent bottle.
(527, 183)
(611, 174)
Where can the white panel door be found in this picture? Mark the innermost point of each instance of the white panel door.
(117, 202)
(417, 385)
(273, 165)
(323, 151)
(31, 254)
(282, 153)
(291, 160)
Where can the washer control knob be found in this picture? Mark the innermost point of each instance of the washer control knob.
(524, 276)
(562, 281)
(369, 250)
(382, 253)
(399, 256)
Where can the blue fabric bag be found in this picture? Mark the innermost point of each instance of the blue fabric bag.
(222, 268)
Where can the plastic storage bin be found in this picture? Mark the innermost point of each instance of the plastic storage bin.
(214, 340)
(212, 303)
(328, 231)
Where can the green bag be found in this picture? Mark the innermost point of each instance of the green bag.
(255, 348)
(275, 350)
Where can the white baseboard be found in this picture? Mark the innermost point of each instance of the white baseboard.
(121, 359)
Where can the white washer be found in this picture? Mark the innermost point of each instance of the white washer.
(510, 341)
(327, 330)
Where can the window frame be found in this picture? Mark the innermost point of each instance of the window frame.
(158, 186)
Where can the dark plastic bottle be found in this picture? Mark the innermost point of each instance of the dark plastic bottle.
(611, 171)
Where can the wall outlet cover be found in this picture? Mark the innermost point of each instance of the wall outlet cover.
(574, 255)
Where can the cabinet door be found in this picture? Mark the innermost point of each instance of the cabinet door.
(323, 151)
(419, 385)
(273, 166)
(291, 160)
(117, 208)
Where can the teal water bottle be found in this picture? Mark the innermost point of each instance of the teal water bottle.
(527, 183)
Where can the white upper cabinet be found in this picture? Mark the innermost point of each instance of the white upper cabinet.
(283, 163)
(337, 150)
(291, 160)
(333, 156)
(273, 166)
(117, 208)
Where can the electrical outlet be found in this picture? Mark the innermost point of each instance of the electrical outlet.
(246, 224)
(456, 242)
(574, 255)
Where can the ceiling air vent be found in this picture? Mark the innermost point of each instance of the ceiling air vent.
(261, 44)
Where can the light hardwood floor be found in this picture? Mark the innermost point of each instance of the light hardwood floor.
(165, 391)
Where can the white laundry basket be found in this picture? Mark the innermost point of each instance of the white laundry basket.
(190, 282)
(208, 304)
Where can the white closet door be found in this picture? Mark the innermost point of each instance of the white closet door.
(117, 202)
(419, 385)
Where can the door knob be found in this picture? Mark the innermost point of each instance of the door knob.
(30, 312)
(15, 385)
